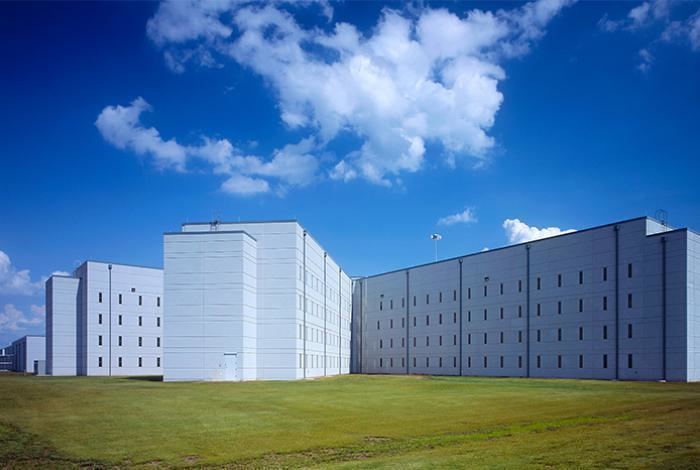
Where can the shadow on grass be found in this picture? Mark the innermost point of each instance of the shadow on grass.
(146, 378)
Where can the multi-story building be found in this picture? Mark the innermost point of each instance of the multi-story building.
(253, 300)
(619, 301)
(105, 319)
(25, 353)
(5, 359)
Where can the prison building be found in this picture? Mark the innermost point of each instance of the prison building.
(5, 359)
(26, 353)
(105, 319)
(618, 301)
(253, 301)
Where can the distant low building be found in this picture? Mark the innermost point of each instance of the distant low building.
(25, 352)
(105, 319)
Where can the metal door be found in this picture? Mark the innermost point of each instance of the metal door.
(230, 366)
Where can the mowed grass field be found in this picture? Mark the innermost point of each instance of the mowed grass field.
(351, 421)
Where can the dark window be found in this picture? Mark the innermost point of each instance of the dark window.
(454, 340)
(377, 324)
(629, 270)
(539, 283)
(427, 340)
(469, 338)
(454, 317)
(414, 361)
(580, 305)
(403, 302)
(629, 330)
(403, 323)
(120, 362)
(381, 344)
(414, 300)
(391, 323)
(558, 280)
(140, 362)
(469, 315)
(403, 342)
(605, 331)
(539, 361)
(605, 303)
(501, 361)
(580, 361)
(403, 362)
(520, 286)
(99, 361)
(381, 305)
(605, 361)
(629, 361)
(391, 362)
(454, 295)
(120, 319)
(427, 362)
(427, 298)
(539, 310)
(391, 304)
(427, 320)
(559, 334)
(520, 336)
(381, 362)
(469, 361)
(486, 338)
(580, 277)
(440, 300)
(559, 361)
(414, 341)
(501, 288)
(520, 362)
(629, 300)
(140, 320)
(520, 311)
(414, 321)
(485, 314)
(120, 341)
(486, 362)
(140, 300)
(99, 298)
(605, 274)
(469, 293)
(440, 362)
(440, 319)
(158, 342)
(99, 340)
(539, 335)
(501, 313)
(99, 319)
(486, 291)
(559, 307)
(120, 299)
(157, 321)
(580, 333)
(501, 337)
(454, 361)
(158, 305)
(440, 340)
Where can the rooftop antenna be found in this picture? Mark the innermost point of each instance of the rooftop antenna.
(436, 237)
(662, 216)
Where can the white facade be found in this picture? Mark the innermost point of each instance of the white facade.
(25, 352)
(247, 301)
(105, 319)
(620, 301)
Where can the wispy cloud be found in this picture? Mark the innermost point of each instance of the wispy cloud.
(13, 319)
(465, 217)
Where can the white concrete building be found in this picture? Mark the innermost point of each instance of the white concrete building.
(253, 300)
(26, 352)
(105, 319)
(619, 301)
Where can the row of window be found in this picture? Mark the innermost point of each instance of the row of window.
(120, 341)
(314, 361)
(120, 362)
(501, 289)
(315, 335)
(120, 320)
(316, 283)
(501, 336)
(538, 313)
(120, 299)
(316, 309)
(501, 362)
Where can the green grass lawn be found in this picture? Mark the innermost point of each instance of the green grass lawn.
(351, 421)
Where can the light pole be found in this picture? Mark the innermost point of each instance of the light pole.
(436, 237)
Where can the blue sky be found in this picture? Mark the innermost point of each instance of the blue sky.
(368, 122)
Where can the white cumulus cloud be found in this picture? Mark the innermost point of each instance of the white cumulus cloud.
(15, 281)
(464, 217)
(413, 79)
(13, 319)
(519, 232)
(292, 165)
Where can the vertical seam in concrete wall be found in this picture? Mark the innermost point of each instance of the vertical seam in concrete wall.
(304, 306)
(408, 321)
(460, 316)
(617, 302)
(325, 317)
(340, 322)
(663, 305)
(527, 313)
(109, 268)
